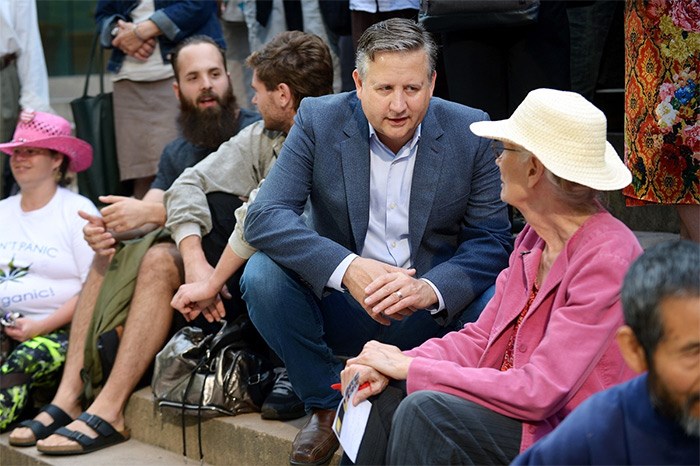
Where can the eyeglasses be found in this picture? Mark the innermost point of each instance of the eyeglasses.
(498, 148)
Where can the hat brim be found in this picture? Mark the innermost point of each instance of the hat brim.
(78, 151)
(610, 176)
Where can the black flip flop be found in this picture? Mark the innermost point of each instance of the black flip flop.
(106, 437)
(40, 431)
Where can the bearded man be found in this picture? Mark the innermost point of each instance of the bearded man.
(208, 117)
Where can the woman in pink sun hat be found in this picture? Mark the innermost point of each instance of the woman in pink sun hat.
(44, 259)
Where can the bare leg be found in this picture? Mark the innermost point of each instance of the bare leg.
(689, 215)
(70, 388)
(145, 331)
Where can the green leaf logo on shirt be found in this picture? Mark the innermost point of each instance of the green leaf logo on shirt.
(14, 273)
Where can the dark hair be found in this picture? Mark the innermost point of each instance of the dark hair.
(394, 35)
(300, 60)
(63, 178)
(664, 270)
(194, 40)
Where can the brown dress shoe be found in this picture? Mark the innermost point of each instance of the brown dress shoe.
(315, 443)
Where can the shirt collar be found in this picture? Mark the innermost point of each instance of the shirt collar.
(410, 144)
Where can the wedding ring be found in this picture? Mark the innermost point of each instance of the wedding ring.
(398, 293)
(114, 31)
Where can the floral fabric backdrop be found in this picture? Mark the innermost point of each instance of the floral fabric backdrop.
(662, 101)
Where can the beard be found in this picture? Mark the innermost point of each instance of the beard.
(662, 400)
(209, 127)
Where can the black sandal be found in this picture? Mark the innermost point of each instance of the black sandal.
(40, 431)
(106, 437)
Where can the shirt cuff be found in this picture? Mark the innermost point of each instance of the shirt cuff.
(440, 304)
(240, 247)
(183, 231)
(336, 280)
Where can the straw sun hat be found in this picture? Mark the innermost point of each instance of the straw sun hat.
(47, 131)
(567, 134)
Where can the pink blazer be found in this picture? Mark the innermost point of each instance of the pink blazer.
(564, 349)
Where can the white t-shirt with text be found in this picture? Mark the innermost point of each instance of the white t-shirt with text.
(44, 258)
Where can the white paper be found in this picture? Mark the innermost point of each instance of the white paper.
(351, 421)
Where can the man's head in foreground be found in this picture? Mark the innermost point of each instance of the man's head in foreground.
(661, 301)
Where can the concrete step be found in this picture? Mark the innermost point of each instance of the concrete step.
(243, 439)
(156, 439)
(131, 453)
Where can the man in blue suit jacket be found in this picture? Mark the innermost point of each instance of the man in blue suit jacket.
(404, 235)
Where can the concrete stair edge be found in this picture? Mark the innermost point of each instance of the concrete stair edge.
(131, 453)
(156, 439)
(243, 439)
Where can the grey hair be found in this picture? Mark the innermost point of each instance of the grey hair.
(394, 35)
(579, 197)
(670, 269)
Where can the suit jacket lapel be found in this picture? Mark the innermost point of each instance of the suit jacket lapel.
(429, 161)
(354, 151)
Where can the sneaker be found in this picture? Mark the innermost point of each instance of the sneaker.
(282, 403)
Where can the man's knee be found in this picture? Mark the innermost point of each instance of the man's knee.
(162, 262)
(263, 284)
(260, 273)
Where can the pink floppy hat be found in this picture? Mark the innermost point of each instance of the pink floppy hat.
(48, 131)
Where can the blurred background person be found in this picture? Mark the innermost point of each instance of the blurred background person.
(662, 107)
(24, 82)
(364, 13)
(141, 34)
(237, 50)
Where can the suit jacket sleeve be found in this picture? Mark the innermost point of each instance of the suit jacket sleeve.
(275, 224)
(466, 205)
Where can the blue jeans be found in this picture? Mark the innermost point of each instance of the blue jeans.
(308, 333)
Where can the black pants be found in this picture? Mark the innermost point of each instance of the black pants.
(361, 20)
(431, 427)
(493, 70)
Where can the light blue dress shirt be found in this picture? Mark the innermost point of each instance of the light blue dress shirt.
(387, 237)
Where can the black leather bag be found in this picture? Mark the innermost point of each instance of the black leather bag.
(94, 123)
(211, 375)
(457, 15)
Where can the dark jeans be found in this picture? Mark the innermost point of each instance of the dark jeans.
(308, 333)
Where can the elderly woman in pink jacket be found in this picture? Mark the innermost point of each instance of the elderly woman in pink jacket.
(545, 342)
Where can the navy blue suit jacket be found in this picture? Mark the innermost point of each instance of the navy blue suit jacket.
(458, 226)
